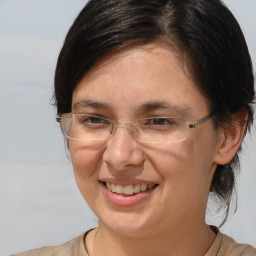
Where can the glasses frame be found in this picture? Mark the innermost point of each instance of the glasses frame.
(131, 124)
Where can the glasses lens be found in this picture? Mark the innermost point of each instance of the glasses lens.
(85, 127)
(161, 129)
(95, 128)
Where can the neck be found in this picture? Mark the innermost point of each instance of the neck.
(177, 242)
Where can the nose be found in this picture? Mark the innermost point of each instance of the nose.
(122, 150)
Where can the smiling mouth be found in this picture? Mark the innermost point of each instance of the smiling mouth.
(128, 190)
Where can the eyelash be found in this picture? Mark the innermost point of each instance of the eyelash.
(90, 117)
(148, 121)
(161, 119)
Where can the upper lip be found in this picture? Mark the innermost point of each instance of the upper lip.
(125, 182)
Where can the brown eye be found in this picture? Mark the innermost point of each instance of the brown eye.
(96, 121)
(159, 121)
(93, 120)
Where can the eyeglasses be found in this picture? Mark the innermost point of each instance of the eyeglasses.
(95, 128)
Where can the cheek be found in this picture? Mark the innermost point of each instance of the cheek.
(86, 161)
(185, 165)
(172, 160)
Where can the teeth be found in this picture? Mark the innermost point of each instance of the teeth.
(113, 187)
(136, 188)
(129, 189)
(151, 186)
(119, 189)
(143, 187)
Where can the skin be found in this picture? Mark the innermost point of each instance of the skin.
(171, 221)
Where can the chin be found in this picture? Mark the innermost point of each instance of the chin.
(130, 225)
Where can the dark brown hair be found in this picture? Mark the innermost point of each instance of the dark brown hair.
(204, 30)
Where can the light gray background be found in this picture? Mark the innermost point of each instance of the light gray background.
(40, 203)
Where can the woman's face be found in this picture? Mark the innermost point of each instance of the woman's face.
(136, 82)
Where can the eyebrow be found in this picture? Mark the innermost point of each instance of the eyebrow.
(145, 107)
(154, 105)
(91, 103)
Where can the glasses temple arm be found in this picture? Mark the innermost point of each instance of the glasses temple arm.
(194, 125)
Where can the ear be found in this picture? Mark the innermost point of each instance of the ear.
(230, 138)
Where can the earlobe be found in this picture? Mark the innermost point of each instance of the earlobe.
(230, 139)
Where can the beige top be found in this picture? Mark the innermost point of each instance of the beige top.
(222, 246)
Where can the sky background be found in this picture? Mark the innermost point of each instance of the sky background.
(39, 201)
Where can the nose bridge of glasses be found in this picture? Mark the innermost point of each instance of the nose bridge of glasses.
(115, 126)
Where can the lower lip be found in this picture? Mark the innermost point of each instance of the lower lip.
(126, 200)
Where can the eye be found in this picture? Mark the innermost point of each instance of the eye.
(159, 121)
(160, 124)
(92, 120)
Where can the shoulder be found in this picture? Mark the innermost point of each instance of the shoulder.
(230, 247)
(224, 245)
(72, 247)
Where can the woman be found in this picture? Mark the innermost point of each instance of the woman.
(154, 98)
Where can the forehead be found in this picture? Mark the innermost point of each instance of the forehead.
(139, 75)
